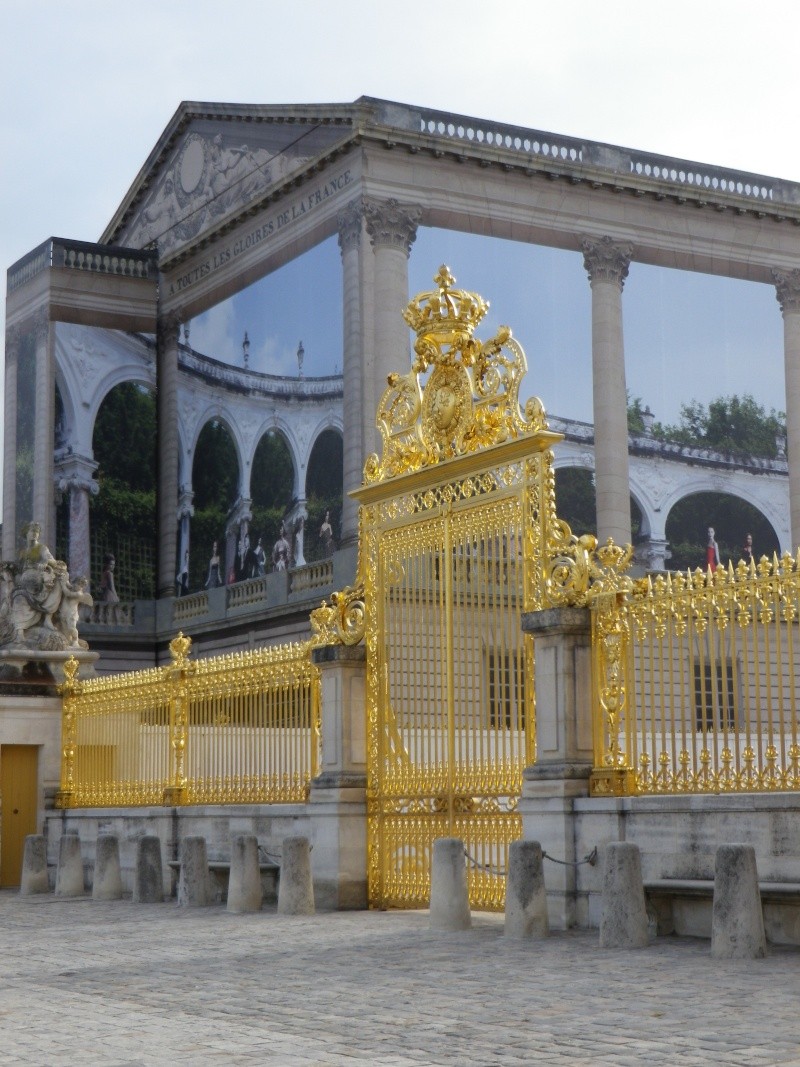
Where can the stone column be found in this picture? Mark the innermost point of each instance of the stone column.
(787, 286)
(167, 481)
(356, 449)
(392, 228)
(74, 475)
(564, 752)
(653, 554)
(44, 430)
(10, 445)
(607, 265)
(337, 803)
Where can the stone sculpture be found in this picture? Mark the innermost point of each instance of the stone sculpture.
(39, 603)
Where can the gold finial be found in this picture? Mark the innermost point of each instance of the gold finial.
(443, 316)
(179, 648)
(469, 401)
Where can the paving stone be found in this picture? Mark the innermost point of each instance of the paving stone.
(134, 986)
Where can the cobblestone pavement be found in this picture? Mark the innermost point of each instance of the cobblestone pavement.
(124, 984)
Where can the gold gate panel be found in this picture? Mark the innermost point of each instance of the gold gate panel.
(454, 523)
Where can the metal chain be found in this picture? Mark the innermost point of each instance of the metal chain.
(590, 858)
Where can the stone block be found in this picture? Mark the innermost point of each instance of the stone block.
(296, 889)
(526, 899)
(623, 920)
(194, 883)
(244, 884)
(449, 893)
(148, 878)
(69, 873)
(34, 866)
(107, 881)
(737, 921)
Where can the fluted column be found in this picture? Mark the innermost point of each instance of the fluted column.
(355, 427)
(44, 430)
(607, 265)
(10, 445)
(392, 228)
(74, 475)
(167, 482)
(787, 286)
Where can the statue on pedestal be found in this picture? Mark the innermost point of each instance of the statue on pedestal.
(39, 605)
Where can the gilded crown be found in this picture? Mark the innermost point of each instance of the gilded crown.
(445, 315)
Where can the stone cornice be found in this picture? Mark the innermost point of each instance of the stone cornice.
(391, 223)
(606, 261)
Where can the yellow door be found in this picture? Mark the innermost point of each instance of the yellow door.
(19, 787)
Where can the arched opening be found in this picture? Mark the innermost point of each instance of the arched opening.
(576, 502)
(215, 482)
(731, 518)
(271, 490)
(123, 514)
(324, 495)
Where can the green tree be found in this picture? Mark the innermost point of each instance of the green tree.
(215, 481)
(123, 514)
(735, 424)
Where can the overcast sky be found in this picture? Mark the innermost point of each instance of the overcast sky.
(88, 86)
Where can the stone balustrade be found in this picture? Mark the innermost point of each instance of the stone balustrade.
(81, 255)
(599, 156)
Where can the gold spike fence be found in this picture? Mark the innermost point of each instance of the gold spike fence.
(697, 682)
(241, 728)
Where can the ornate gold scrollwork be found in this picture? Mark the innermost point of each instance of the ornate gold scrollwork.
(342, 621)
(470, 400)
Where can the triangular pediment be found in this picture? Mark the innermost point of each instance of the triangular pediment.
(215, 160)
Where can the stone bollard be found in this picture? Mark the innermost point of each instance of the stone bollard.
(244, 883)
(449, 893)
(623, 919)
(194, 884)
(34, 866)
(526, 900)
(107, 882)
(69, 873)
(737, 921)
(296, 889)
(148, 877)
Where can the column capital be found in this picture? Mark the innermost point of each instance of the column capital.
(185, 502)
(787, 289)
(605, 260)
(391, 223)
(349, 220)
(168, 328)
(73, 471)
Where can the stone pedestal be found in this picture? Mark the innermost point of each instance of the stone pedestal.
(337, 803)
(562, 656)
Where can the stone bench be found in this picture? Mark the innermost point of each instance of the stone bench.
(220, 871)
(683, 906)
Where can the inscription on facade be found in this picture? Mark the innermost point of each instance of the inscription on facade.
(297, 209)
